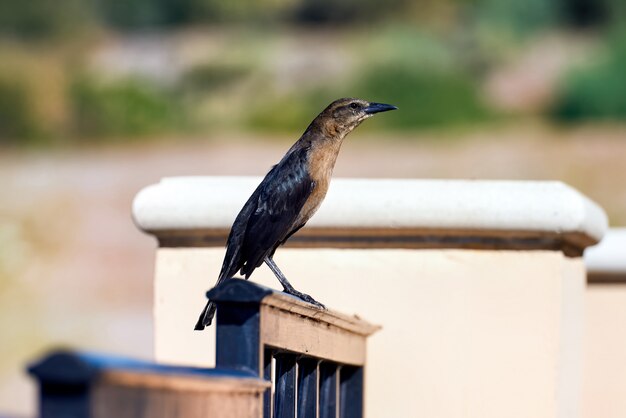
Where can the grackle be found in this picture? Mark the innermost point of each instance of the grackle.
(289, 195)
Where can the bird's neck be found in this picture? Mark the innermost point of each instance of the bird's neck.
(322, 156)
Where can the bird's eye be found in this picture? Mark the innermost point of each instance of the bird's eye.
(354, 105)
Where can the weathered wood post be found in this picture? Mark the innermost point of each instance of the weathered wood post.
(478, 285)
(88, 385)
(604, 389)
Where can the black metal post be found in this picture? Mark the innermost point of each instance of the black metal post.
(285, 395)
(328, 390)
(351, 392)
(307, 387)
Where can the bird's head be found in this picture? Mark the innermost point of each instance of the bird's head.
(343, 115)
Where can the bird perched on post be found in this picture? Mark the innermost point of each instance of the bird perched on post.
(289, 195)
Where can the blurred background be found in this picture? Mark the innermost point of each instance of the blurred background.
(99, 99)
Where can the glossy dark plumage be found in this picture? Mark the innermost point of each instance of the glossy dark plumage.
(289, 195)
(267, 219)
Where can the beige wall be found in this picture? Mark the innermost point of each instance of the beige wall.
(466, 333)
(604, 392)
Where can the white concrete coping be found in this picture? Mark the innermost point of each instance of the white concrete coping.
(607, 260)
(386, 213)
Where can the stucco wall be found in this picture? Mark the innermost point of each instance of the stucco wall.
(466, 333)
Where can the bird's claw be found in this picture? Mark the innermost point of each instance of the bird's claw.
(312, 301)
(309, 299)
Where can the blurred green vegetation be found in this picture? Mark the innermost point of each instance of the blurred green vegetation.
(429, 57)
(206, 77)
(17, 120)
(427, 100)
(518, 16)
(123, 108)
(430, 98)
(596, 90)
(41, 19)
(431, 81)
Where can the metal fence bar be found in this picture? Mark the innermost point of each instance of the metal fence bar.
(238, 328)
(307, 387)
(267, 375)
(285, 395)
(328, 390)
(351, 392)
(70, 400)
(237, 337)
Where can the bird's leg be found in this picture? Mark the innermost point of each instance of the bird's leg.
(287, 286)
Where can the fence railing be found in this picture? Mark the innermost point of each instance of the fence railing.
(84, 385)
(277, 357)
(314, 358)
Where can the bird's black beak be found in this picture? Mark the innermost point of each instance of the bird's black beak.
(378, 107)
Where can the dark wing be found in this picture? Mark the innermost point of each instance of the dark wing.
(279, 200)
(234, 260)
(265, 221)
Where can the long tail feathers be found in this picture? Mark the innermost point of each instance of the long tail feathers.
(206, 317)
(208, 313)
(228, 270)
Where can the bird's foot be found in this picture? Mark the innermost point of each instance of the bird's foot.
(305, 298)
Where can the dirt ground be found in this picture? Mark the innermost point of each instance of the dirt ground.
(74, 270)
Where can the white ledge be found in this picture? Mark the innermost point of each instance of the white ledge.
(608, 258)
(532, 210)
